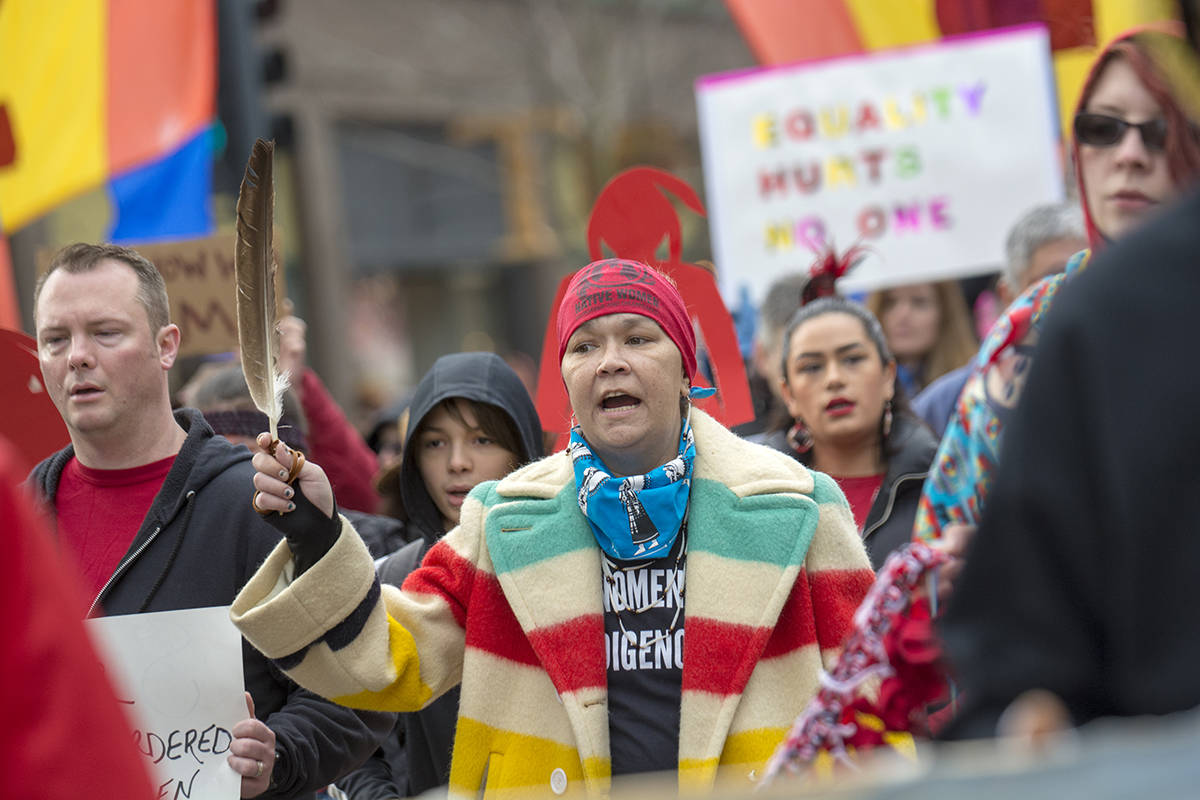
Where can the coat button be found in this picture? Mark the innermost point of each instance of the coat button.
(558, 781)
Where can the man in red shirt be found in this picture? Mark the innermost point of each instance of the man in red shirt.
(154, 506)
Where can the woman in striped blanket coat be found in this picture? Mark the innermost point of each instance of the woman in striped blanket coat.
(562, 600)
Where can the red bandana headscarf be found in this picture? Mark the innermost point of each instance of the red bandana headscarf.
(621, 286)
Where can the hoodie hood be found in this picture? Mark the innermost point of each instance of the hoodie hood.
(1096, 239)
(484, 378)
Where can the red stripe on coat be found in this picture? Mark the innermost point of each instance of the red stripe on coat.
(796, 627)
(718, 657)
(445, 574)
(836, 595)
(572, 652)
(493, 627)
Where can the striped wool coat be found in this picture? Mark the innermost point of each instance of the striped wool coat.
(510, 604)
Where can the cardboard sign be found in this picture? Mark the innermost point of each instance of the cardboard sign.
(178, 674)
(926, 155)
(200, 285)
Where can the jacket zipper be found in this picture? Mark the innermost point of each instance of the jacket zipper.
(887, 511)
(125, 564)
(120, 569)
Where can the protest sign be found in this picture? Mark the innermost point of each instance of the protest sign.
(927, 155)
(199, 276)
(178, 674)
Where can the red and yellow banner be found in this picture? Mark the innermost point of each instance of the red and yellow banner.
(783, 31)
(90, 89)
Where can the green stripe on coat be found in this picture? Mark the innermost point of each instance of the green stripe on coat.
(776, 538)
(516, 536)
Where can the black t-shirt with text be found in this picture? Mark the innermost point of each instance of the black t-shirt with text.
(643, 628)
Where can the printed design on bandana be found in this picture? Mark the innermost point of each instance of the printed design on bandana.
(637, 516)
(641, 527)
(592, 480)
(613, 281)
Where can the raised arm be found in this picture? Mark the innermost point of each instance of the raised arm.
(325, 619)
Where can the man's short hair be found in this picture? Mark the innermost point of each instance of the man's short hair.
(83, 257)
(1039, 226)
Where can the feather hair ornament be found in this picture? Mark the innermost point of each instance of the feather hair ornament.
(828, 269)
(254, 267)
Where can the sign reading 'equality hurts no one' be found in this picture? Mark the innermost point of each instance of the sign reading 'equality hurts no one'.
(927, 155)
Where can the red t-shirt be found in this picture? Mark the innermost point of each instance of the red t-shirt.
(860, 492)
(99, 512)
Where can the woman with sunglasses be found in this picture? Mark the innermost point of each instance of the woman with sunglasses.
(1135, 148)
(1134, 151)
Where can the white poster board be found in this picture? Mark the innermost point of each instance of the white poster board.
(178, 675)
(927, 155)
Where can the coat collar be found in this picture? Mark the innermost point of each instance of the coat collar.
(537, 518)
(746, 469)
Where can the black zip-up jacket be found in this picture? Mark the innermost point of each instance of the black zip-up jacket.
(890, 521)
(199, 543)
(417, 759)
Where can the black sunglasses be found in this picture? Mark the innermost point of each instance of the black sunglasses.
(1101, 130)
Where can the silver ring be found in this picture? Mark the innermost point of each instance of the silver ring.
(260, 769)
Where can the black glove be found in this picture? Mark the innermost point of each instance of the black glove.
(309, 533)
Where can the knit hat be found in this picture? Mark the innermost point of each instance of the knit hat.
(621, 286)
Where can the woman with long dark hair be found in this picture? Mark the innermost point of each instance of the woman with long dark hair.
(850, 420)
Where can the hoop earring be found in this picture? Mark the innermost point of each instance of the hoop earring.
(799, 438)
(887, 419)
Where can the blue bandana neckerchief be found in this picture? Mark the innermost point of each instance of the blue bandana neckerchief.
(637, 516)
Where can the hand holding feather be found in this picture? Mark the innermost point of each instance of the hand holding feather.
(307, 510)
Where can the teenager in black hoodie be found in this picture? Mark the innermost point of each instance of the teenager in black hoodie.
(471, 420)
